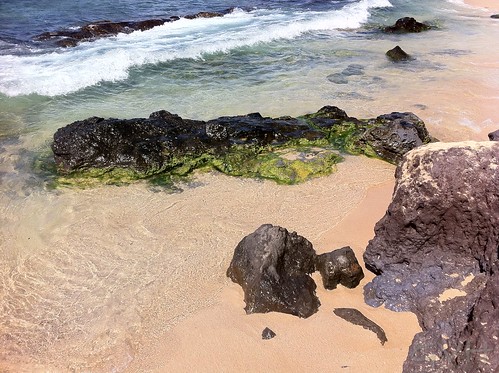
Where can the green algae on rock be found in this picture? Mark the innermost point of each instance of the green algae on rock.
(287, 150)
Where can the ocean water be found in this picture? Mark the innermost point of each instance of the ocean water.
(274, 57)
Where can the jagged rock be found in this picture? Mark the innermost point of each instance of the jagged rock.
(406, 25)
(100, 29)
(397, 54)
(288, 150)
(436, 254)
(339, 267)
(273, 266)
(358, 318)
(268, 333)
(494, 136)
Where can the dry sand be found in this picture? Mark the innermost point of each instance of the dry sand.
(222, 338)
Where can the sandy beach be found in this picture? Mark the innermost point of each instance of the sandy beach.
(187, 316)
(222, 338)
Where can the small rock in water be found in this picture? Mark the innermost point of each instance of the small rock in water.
(496, 16)
(357, 318)
(407, 24)
(397, 54)
(268, 334)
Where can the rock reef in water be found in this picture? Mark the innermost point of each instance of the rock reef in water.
(101, 29)
(407, 25)
(287, 150)
(436, 254)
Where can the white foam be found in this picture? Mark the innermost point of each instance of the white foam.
(110, 60)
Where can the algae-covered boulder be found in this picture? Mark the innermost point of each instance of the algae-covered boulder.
(287, 150)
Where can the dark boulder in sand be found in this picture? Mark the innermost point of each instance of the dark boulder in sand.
(397, 54)
(436, 254)
(407, 25)
(273, 267)
(339, 267)
(494, 136)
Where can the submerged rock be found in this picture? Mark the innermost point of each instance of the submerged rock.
(436, 254)
(339, 267)
(397, 54)
(357, 318)
(273, 267)
(287, 150)
(407, 25)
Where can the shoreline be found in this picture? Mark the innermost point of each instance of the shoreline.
(157, 298)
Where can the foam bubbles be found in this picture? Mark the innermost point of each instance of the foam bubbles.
(110, 60)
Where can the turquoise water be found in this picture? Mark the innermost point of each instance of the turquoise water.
(273, 58)
(276, 58)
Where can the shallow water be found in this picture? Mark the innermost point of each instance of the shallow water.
(88, 277)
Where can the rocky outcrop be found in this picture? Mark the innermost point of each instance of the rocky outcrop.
(100, 29)
(407, 25)
(288, 150)
(273, 267)
(436, 254)
(339, 267)
(494, 136)
(397, 54)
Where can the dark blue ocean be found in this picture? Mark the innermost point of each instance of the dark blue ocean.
(87, 277)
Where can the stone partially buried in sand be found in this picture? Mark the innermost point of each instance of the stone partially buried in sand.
(273, 266)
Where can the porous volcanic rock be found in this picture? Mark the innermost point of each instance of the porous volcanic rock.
(407, 25)
(244, 145)
(436, 254)
(273, 266)
(339, 267)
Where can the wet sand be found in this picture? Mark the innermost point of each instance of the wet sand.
(130, 279)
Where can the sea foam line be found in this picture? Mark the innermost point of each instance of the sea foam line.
(110, 60)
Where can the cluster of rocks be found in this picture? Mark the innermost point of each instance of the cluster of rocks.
(273, 267)
(402, 26)
(436, 253)
(246, 145)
